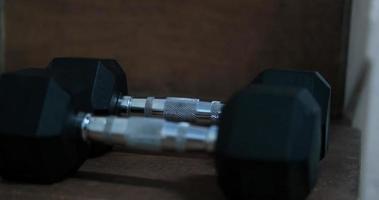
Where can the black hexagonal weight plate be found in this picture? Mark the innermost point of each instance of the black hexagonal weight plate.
(311, 80)
(269, 143)
(36, 142)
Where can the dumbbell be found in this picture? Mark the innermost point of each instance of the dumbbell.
(98, 85)
(102, 84)
(267, 144)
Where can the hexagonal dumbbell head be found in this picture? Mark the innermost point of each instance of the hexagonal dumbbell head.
(310, 80)
(96, 148)
(95, 84)
(269, 144)
(36, 143)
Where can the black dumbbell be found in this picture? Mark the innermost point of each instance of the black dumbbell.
(314, 82)
(267, 145)
(99, 85)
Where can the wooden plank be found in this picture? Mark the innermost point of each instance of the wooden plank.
(122, 175)
(198, 48)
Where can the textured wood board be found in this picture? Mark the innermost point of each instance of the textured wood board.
(199, 48)
(121, 175)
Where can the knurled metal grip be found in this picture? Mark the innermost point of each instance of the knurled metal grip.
(172, 108)
(180, 109)
(149, 133)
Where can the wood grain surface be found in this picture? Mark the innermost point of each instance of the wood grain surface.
(122, 175)
(196, 48)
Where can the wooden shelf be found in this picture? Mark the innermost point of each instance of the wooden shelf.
(122, 175)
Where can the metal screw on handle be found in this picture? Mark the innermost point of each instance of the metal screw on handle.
(173, 108)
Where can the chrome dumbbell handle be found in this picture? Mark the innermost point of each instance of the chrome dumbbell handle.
(149, 133)
(173, 108)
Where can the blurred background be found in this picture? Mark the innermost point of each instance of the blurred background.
(198, 48)
(210, 49)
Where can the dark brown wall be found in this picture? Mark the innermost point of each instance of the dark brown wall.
(198, 48)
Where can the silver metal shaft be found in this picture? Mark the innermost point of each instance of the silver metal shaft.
(149, 133)
(173, 108)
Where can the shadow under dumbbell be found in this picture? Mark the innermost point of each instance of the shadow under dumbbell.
(197, 155)
(194, 187)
